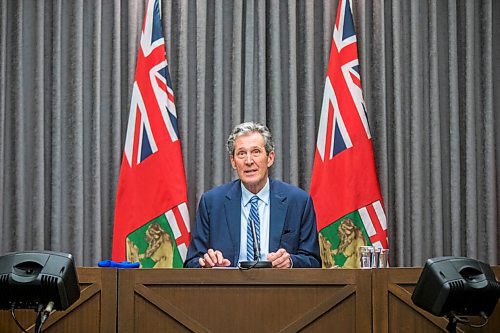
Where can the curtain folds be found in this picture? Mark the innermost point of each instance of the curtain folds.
(431, 84)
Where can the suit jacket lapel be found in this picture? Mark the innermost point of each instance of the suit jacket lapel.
(279, 207)
(232, 208)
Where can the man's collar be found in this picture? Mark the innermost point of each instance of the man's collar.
(263, 194)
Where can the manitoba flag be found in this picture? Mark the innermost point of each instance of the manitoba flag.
(151, 216)
(344, 186)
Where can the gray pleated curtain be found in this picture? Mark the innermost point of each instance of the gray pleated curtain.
(431, 81)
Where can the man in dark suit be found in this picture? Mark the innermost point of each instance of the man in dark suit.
(284, 214)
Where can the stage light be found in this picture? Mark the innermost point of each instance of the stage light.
(39, 280)
(457, 287)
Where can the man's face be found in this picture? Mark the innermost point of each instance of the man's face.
(251, 161)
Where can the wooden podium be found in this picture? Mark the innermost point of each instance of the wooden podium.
(230, 300)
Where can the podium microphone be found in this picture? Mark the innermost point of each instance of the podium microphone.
(256, 263)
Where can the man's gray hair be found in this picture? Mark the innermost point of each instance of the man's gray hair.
(247, 128)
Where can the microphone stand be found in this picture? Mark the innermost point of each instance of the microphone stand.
(256, 263)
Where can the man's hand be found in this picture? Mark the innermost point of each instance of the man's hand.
(280, 259)
(213, 259)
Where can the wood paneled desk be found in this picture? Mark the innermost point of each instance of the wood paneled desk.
(230, 300)
(264, 300)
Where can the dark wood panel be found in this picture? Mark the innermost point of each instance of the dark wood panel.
(94, 311)
(394, 310)
(229, 300)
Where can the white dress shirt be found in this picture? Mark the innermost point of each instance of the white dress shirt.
(264, 217)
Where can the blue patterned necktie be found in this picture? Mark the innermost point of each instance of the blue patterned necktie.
(253, 216)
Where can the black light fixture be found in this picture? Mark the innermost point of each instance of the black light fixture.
(456, 287)
(39, 280)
